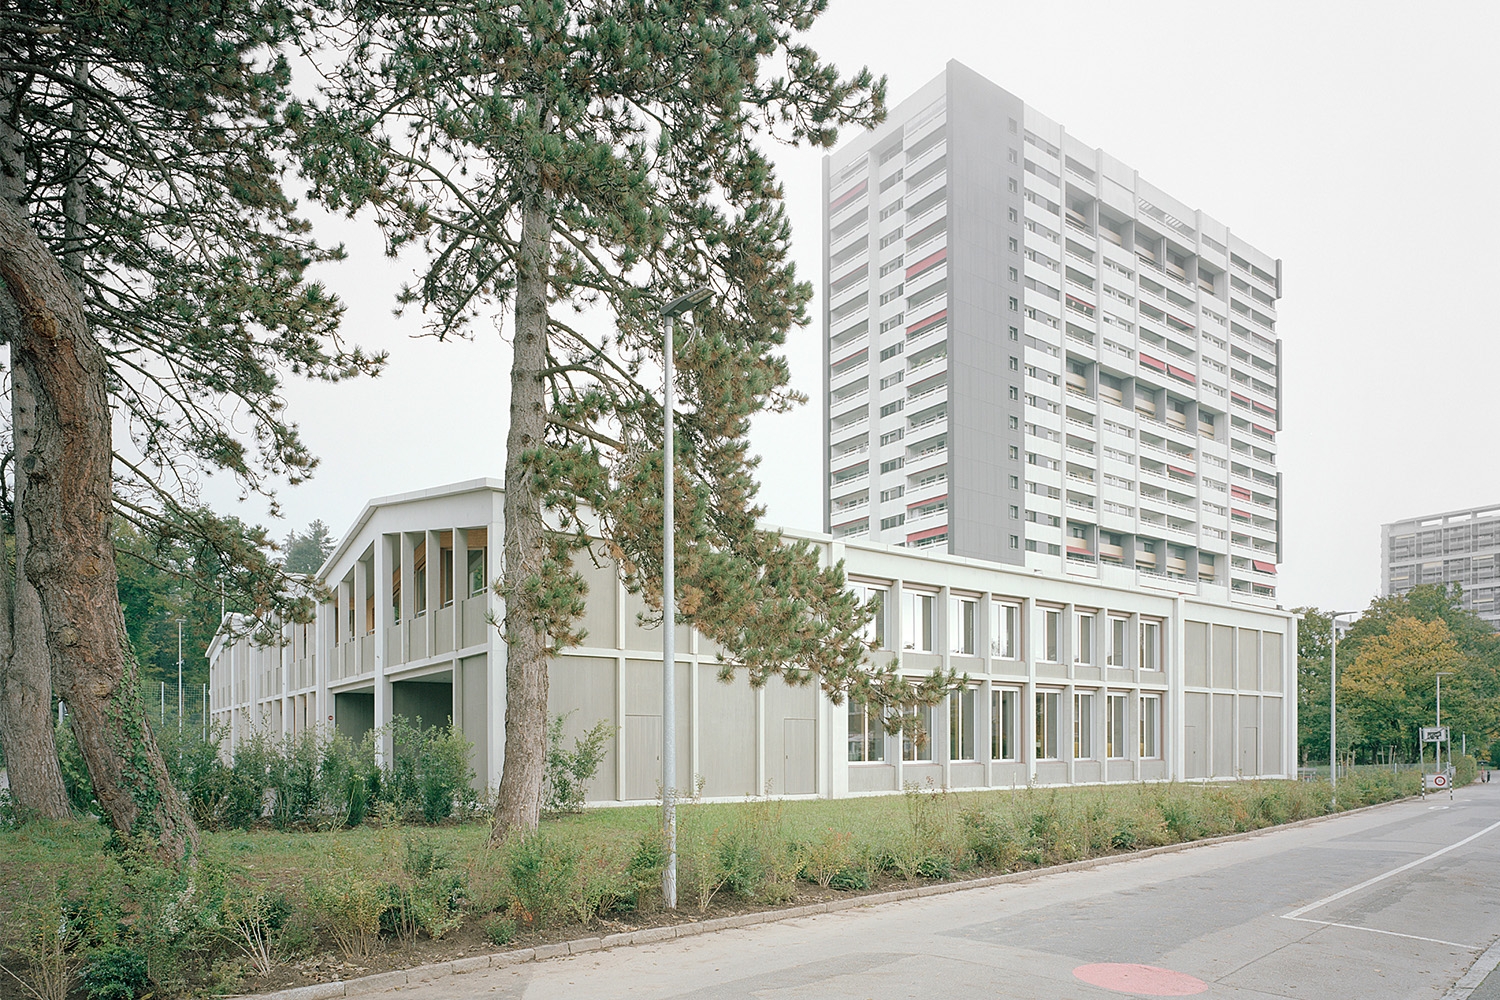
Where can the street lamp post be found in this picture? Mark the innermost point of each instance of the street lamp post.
(1440, 675)
(669, 313)
(179, 674)
(1333, 711)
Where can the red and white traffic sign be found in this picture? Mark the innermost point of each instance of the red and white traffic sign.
(1437, 781)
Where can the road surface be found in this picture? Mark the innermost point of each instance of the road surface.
(1402, 901)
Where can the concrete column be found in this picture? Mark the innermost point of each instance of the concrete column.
(408, 595)
(434, 558)
(1174, 637)
(381, 570)
(1028, 642)
(459, 585)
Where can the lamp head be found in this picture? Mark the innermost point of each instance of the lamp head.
(688, 302)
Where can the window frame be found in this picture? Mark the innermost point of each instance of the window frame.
(869, 725)
(1116, 725)
(1005, 723)
(1085, 627)
(1047, 736)
(1153, 628)
(911, 748)
(1119, 642)
(911, 602)
(963, 704)
(877, 631)
(960, 631)
(1083, 725)
(1051, 638)
(1151, 726)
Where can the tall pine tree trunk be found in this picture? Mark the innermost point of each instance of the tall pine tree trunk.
(68, 509)
(520, 798)
(36, 784)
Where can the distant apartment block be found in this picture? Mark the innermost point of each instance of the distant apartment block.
(1037, 358)
(1461, 546)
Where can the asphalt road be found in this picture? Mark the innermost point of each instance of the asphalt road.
(1401, 901)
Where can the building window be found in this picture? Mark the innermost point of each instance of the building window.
(478, 583)
(1083, 646)
(1011, 185)
(916, 621)
(1014, 304)
(1015, 512)
(1083, 725)
(1012, 155)
(1150, 645)
(1119, 629)
(1015, 245)
(1010, 214)
(1115, 725)
(1047, 707)
(1150, 726)
(866, 734)
(1015, 541)
(892, 351)
(961, 724)
(916, 733)
(1005, 720)
(1015, 452)
(890, 408)
(1004, 627)
(961, 625)
(1015, 275)
(1015, 393)
(1015, 364)
(1015, 482)
(1015, 334)
(1051, 635)
(878, 599)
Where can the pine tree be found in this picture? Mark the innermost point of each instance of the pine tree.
(141, 145)
(557, 158)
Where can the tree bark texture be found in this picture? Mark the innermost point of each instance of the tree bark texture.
(518, 806)
(36, 783)
(68, 510)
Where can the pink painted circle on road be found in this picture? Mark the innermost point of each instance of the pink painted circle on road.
(1142, 980)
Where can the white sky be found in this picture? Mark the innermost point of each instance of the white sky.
(1357, 142)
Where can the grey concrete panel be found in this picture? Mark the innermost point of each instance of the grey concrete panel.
(602, 605)
(727, 712)
(1195, 654)
(1223, 657)
(1051, 772)
(474, 711)
(1247, 664)
(980, 378)
(1195, 735)
(872, 778)
(1271, 737)
(1249, 736)
(583, 688)
(1270, 661)
(641, 745)
(1222, 730)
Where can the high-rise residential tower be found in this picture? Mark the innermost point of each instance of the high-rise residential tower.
(1035, 357)
(1461, 546)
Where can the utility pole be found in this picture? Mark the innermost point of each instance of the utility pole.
(179, 674)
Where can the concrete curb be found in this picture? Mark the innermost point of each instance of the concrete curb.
(382, 981)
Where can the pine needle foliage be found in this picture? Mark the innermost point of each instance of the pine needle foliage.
(569, 167)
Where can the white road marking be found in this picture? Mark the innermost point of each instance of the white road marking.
(1376, 930)
(1385, 875)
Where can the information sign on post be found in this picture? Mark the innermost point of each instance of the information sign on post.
(1434, 734)
(1437, 782)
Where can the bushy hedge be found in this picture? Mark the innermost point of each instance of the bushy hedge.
(315, 780)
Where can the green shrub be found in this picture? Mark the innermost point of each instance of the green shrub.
(251, 918)
(831, 852)
(568, 772)
(646, 867)
(429, 771)
(1465, 770)
(991, 839)
(115, 972)
(542, 871)
(348, 902)
(500, 930)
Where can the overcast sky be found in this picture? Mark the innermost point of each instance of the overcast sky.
(1357, 142)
